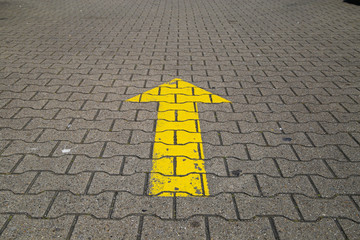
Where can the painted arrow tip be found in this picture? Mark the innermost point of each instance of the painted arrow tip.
(178, 91)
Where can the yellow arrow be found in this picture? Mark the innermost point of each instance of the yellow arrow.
(178, 166)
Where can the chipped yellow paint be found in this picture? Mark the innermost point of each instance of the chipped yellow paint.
(178, 167)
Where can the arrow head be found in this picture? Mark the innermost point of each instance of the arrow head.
(178, 91)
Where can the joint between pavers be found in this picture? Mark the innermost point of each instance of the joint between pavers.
(6, 224)
(274, 229)
(341, 229)
(72, 227)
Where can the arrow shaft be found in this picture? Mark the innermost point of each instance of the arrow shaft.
(178, 157)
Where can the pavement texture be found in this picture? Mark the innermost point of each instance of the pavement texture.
(282, 159)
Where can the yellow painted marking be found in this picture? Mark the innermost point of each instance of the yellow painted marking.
(178, 166)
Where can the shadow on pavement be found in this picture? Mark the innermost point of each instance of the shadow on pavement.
(356, 2)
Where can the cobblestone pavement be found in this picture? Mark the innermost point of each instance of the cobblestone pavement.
(282, 159)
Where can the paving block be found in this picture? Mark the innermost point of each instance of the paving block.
(245, 184)
(332, 187)
(22, 227)
(86, 164)
(313, 167)
(192, 228)
(258, 228)
(48, 181)
(344, 169)
(322, 229)
(351, 228)
(105, 182)
(282, 151)
(263, 166)
(34, 205)
(91, 228)
(36, 163)
(221, 205)
(68, 203)
(273, 185)
(129, 204)
(338, 207)
(8, 163)
(280, 205)
(17, 183)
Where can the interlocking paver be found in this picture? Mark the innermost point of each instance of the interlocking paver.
(36, 163)
(250, 207)
(258, 228)
(17, 183)
(91, 228)
(33, 205)
(128, 204)
(340, 206)
(274, 185)
(187, 207)
(323, 229)
(191, 228)
(105, 182)
(68, 203)
(48, 181)
(331, 187)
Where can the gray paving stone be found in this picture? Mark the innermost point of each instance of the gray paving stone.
(47, 123)
(244, 184)
(335, 139)
(351, 152)
(247, 127)
(107, 114)
(351, 229)
(7, 163)
(229, 116)
(280, 205)
(140, 150)
(263, 166)
(220, 205)
(90, 228)
(34, 205)
(84, 163)
(17, 183)
(128, 204)
(323, 229)
(67, 203)
(36, 113)
(21, 147)
(332, 187)
(293, 168)
(259, 152)
(344, 169)
(68, 113)
(235, 138)
(259, 228)
(22, 227)
(192, 228)
(326, 152)
(54, 135)
(338, 207)
(89, 149)
(273, 185)
(310, 127)
(34, 163)
(119, 137)
(13, 123)
(294, 138)
(48, 181)
(105, 182)
(27, 136)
